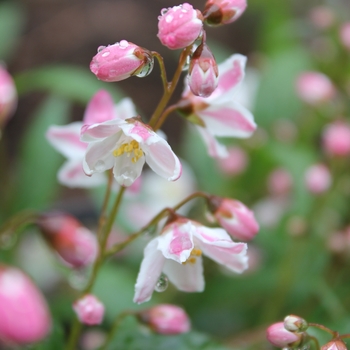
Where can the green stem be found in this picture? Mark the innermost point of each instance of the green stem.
(164, 115)
(192, 196)
(171, 87)
(15, 222)
(118, 320)
(315, 340)
(324, 328)
(162, 69)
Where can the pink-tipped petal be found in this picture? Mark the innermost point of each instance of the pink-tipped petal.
(99, 109)
(215, 149)
(97, 132)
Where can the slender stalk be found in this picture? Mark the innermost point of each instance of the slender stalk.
(162, 70)
(15, 222)
(117, 321)
(315, 340)
(169, 91)
(324, 328)
(189, 198)
(164, 115)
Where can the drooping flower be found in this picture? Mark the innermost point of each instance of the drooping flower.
(125, 146)
(24, 314)
(120, 61)
(220, 115)
(179, 26)
(166, 319)
(203, 72)
(66, 139)
(219, 12)
(178, 253)
(89, 310)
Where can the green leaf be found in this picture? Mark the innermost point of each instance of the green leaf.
(35, 180)
(74, 83)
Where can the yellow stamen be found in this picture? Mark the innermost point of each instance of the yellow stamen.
(129, 148)
(193, 257)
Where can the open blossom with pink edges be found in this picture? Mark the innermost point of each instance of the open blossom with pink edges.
(179, 26)
(66, 139)
(120, 61)
(166, 319)
(125, 146)
(178, 253)
(89, 310)
(24, 314)
(219, 115)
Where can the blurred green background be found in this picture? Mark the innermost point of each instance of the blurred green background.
(47, 46)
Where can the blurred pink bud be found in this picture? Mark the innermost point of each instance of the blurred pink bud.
(8, 96)
(166, 319)
(218, 12)
(120, 61)
(24, 315)
(89, 310)
(280, 182)
(278, 336)
(318, 178)
(235, 218)
(314, 88)
(336, 139)
(235, 163)
(322, 17)
(99, 109)
(345, 35)
(335, 344)
(179, 26)
(203, 72)
(74, 243)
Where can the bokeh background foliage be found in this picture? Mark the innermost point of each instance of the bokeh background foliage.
(47, 46)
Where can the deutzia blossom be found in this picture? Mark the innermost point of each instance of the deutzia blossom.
(125, 146)
(66, 139)
(220, 115)
(178, 253)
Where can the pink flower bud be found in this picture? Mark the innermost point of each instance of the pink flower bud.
(24, 315)
(179, 26)
(166, 319)
(280, 182)
(318, 179)
(335, 344)
(336, 139)
(235, 218)
(203, 72)
(74, 243)
(314, 88)
(345, 35)
(89, 310)
(8, 96)
(218, 12)
(278, 336)
(235, 163)
(120, 61)
(99, 109)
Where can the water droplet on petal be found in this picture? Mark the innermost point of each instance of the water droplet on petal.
(7, 240)
(164, 11)
(78, 279)
(147, 68)
(100, 48)
(100, 166)
(187, 63)
(162, 284)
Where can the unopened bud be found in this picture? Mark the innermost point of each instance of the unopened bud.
(280, 182)
(345, 35)
(120, 61)
(166, 319)
(336, 139)
(295, 324)
(237, 219)
(74, 243)
(335, 344)
(24, 315)
(318, 179)
(218, 12)
(314, 88)
(179, 26)
(278, 336)
(203, 72)
(8, 96)
(89, 310)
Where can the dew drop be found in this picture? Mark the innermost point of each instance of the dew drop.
(78, 279)
(146, 68)
(123, 44)
(162, 284)
(7, 240)
(187, 63)
(100, 166)
(100, 48)
(105, 54)
(164, 11)
(169, 18)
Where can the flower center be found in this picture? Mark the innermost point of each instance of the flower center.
(131, 148)
(195, 253)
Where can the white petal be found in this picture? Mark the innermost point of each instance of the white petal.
(125, 171)
(125, 109)
(150, 271)
(186, 277)
(99, 156)
(97, 132)
(71, 174)
(215, 149)
(66, 139)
